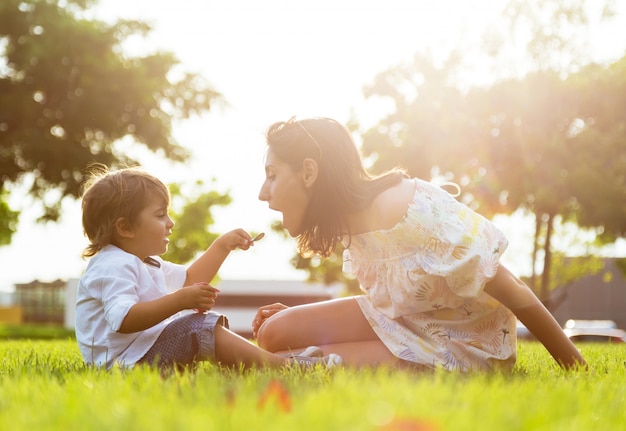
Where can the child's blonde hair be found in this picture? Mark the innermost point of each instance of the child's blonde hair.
(110, 195)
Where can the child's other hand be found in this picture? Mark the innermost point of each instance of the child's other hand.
(199, 296)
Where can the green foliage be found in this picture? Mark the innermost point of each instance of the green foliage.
(427, 123)
(45, 386)
(68, 93)
(327, 271)
(621, 265)
(8, 220)
(567, 270)
(598, 149)
(190, 234)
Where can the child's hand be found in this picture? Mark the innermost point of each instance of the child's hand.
(199, 296)
(237, 238)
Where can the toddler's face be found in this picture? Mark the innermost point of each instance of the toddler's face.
(152, 228)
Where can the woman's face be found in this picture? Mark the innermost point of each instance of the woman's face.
(284, 190)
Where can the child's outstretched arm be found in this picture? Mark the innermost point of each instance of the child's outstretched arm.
(517, 297)
(206, 266)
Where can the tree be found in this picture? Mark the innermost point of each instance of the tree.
(558, 150)
(567, 270)
(518, 133)
(598, 149)
(551, 38)
(326, 271)
(526, 125)
(69, 94)
(191, 211)
(427, 124)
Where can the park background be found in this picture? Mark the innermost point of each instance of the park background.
(271, 60)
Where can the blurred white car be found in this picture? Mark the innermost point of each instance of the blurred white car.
(581, 323)
(594, 330)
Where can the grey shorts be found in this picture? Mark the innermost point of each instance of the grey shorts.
(185, 341)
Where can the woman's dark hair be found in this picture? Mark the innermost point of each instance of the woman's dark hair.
(343, 185)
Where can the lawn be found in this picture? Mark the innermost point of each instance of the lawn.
(45, 386)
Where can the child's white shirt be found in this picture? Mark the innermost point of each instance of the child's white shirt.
(113, 282)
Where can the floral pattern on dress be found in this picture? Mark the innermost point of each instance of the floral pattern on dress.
(423, 281)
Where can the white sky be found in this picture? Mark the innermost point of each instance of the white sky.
(271, 60)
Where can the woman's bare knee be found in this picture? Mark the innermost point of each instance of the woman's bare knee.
(321, 323)
(264, 335)
(271, 334)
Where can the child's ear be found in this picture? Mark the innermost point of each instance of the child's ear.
(310, 170)
(123, 228)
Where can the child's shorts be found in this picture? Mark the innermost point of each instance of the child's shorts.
(186, 340)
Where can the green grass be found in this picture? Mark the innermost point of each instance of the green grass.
(45, 386)
(38, 332)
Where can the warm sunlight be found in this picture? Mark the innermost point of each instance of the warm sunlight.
(270, 60)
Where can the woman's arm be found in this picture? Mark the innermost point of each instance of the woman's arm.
(517, 297)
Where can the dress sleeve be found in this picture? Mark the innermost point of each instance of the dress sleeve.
(459, 245)
(441, 248)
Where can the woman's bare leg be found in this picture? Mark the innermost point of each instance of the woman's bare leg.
(338, 326)
(320, 323)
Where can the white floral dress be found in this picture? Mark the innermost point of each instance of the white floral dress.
(423, 281)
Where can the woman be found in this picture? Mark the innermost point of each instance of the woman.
(435, 294)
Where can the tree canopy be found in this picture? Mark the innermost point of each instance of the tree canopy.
(69, 94)
(549, 139)
(191, 210)
(551, 142)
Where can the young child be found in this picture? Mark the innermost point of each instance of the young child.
(133, 307)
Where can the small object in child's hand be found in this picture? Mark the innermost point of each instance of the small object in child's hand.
(258, 237)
